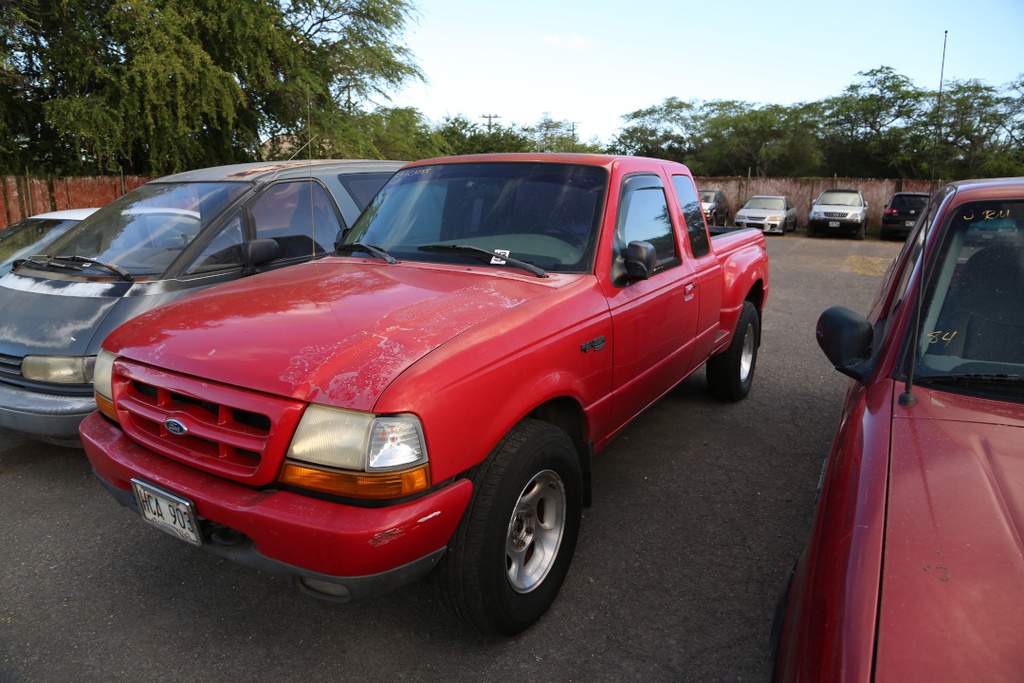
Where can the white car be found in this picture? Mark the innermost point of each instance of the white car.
(767, 214)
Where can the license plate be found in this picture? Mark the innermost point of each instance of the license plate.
(167, 511)
(833, 224)
(910, 224)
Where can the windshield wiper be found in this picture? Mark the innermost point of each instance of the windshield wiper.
(79, 263)
(969, 377)
(493, 257)
(368, 248)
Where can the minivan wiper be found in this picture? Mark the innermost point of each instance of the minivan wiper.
(493, 257)
(368, 248)
(81, 262)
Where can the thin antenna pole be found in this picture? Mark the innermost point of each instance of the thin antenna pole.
(938, 112)
(907, 398)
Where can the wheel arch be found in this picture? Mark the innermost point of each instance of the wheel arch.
(568, 415)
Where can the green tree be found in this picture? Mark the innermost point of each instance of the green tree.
(870, 130)
(662, 131)
(153, 86)
(978, 130)
(462, 136)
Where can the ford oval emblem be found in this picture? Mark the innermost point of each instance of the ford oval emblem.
(175, 427)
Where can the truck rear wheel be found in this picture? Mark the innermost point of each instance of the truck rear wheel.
(731, 373)
(511, 552)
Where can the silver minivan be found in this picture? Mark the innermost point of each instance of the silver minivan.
(168, 238)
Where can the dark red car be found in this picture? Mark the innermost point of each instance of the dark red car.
(914, 569)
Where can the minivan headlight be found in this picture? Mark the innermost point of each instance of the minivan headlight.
(58, 369)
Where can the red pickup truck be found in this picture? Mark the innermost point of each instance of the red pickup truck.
(432, 394)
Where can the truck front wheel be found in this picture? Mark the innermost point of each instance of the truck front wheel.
(731, 373)
(512, 549)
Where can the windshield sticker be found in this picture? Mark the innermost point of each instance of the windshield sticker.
(496, 261)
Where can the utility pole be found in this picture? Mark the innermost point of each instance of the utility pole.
(490, 120)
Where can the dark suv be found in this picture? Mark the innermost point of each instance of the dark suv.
(715, 206)
(901, 213)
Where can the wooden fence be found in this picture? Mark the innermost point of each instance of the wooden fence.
(24, 196)
(803, 191)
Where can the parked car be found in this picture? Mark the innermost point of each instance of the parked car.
(767, 214)
(170, 237)
(715, 206)
(839, 211)
(901, 213)
(31, 235)
(914, 569)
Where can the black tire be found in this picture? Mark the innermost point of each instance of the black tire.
(862, 231)
(509, 556)
(731, 373)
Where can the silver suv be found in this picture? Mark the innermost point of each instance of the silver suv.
(839, 211)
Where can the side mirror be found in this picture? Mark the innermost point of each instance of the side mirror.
(846, 337)
(641, 258)
(257, 252)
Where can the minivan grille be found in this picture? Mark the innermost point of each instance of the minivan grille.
(10, 367)
(221, 429)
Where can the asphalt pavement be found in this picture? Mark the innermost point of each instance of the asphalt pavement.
(700, 509)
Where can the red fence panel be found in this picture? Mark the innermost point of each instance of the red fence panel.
(22, 196)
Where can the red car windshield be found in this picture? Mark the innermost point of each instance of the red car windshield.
(972, 317)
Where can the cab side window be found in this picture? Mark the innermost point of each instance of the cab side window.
(644, 216)
(692, 214)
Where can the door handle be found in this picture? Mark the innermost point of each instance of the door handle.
(689, 290)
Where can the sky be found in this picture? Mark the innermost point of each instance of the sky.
(590, 63)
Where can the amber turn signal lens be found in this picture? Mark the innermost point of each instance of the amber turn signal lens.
(375, 486)
(106, 406)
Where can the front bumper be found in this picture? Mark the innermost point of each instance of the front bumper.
(50, 417)
(834, 225)
(760, 224)
(328, 549)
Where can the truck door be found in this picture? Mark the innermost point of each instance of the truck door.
(653, 320)
(707, 269)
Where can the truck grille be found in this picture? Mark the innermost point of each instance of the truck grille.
(836, 214)
(217, 428)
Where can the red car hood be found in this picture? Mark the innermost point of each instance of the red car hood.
(952, 605)
(329, 331)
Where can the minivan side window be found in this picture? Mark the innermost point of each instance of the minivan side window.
(644, 217)
(692, 214)
(298, 216)
(224, 250)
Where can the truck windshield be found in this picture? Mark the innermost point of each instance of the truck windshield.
(143, 231)
(972, 317)
(544, 214)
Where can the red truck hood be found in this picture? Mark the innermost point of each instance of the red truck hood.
(953, 576)
(351, 328)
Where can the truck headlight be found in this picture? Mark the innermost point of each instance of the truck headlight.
(103, 382)
(358, 454)
(58, 369)
(815, 214)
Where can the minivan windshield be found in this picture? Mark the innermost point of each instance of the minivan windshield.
(143, 231)
(542, 214)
